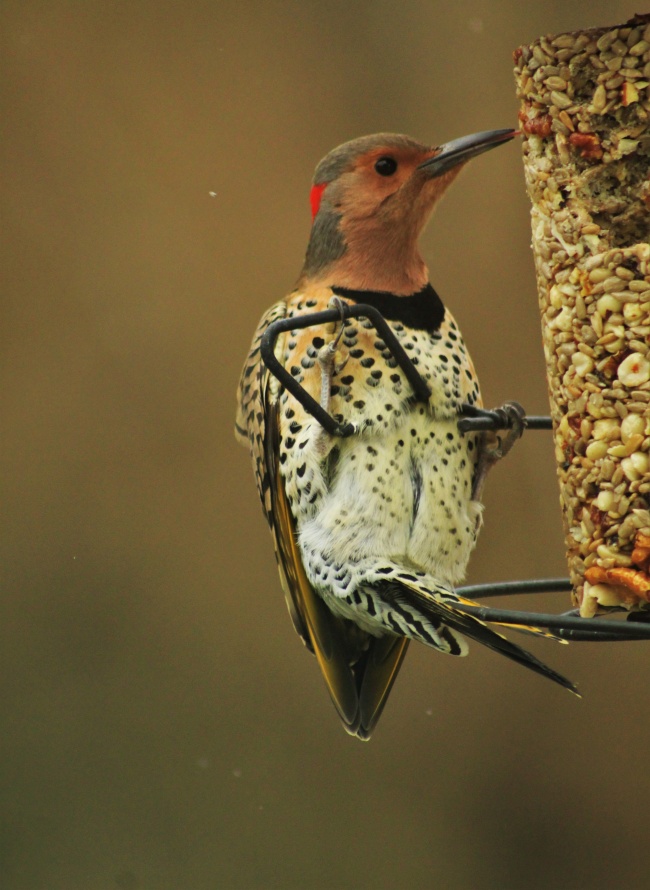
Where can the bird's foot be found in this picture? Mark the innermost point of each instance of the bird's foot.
(514, 423)
(329, 366)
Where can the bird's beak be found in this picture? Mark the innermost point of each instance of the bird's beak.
(458, 151)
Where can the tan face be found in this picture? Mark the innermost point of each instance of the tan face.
(380, 179)
(385, 187)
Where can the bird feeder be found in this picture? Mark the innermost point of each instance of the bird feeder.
(585, 117)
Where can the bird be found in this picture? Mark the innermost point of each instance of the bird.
(373, 531)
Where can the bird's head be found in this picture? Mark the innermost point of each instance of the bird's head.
(370, 199)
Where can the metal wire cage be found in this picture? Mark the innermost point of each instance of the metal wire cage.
(567, 625)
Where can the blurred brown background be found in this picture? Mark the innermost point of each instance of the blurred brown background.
(162, 725)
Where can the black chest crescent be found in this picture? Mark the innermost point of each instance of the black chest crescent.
(422, 311)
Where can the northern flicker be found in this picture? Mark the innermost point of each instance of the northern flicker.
(373, 531)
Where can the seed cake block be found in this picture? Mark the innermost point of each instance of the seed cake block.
(585, 118)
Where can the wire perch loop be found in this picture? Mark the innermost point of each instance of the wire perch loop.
(568, 625)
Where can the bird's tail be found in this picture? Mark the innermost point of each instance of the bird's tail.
(421, 604)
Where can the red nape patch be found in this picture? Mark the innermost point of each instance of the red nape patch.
(314, 198)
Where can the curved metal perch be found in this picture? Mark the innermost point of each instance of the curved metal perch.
(473, 418)
(568, 625)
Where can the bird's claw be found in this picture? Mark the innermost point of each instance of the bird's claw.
(337, 303)
(327, 356)
(327, 359)
(513, 419)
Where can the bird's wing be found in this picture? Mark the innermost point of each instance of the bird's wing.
(257, 404)
(375, 678)
(359, 669)
(252, 399)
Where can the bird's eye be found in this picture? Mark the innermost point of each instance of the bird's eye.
(386, 166)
